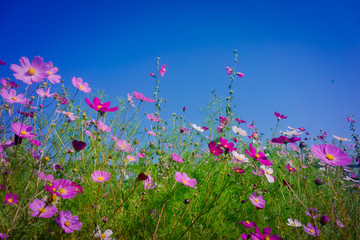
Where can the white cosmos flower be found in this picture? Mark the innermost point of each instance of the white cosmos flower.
(341, 139)
(197, 128)
(293, 223)
(105, 235)
(239, 131)
(268, 171)
(239, 157)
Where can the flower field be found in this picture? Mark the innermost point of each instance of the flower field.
(76, 165)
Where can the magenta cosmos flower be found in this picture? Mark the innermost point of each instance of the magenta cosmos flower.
(163, 70)
(141, 97)
(100, 176)
(22, 130)
(266, 235)
(63, 188)
(68, 222)
(11, 97)
(331, 155)
(39, 209)
(36, 71)
(82, 86)
(280, 116)
(285, 140)
(258, 201)
(258, 156)
(177, 158)
(229, 70)
(215, 148)
(291, 169)
(184, 179)
(11, 199)
(248, 224)
(100, 107)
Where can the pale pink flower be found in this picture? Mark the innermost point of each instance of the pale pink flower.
(102, 126)
(82, 86)
(11, 97)
(184, 179)
(129, 98)
(70, 115)
(151, 133)
(100, 176)
(177, 158)
(36, 71)
(53, 78)
(131, 158)
(162, 70)
(229, 70)
(44, 93)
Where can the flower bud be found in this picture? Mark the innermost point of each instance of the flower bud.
(324, 219)
(318, 182)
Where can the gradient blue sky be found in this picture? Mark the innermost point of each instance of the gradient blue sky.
(289, 51)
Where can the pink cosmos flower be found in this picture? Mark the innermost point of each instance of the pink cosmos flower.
(148, 183)
(220, 128)
(3, 235)
(162, 70)
(177, 158)
(22, 130)
(36, 71)
(312, 230)
(123, 145)
(100, 107)
(215, 148)
(2, 62)
(45, 177)
(258, 156)
(141, 97)
(129, 98)
(184, 130)
(131, 158)
(100, 176)
(313, 213)
(279, 116)
(68, 222)
(79, 189)
(152, 117)
(184, 179)
(248, 224)
(285, 140)
(228, 146)
(331, 155)
(79, 84)
(224, 121)
(39, 209)
(8, 84)
(250, 126)
(350, 119)
(239, 170)
(34, 142)
(102, 126)
(151, 133)
(63, 188)
(229, 70)
(258, 201)
(302, 129)
(152, 75)
(45, 93)
(141, 155)
(11, 199)
(266, 235)
(240, 74)
(70, 115)
(11, 96)
(53, 78)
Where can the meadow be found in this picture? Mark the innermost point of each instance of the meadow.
(75, 165)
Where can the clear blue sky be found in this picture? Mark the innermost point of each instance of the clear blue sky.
(300, 58)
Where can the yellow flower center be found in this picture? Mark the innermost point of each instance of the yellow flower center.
(293, 224)
(184, 182)
(50, 73)
(46, 94)
(47, 159)
(103, 235)
(10, 200)
(148, 184)
(66, 223)
(68, 113)
(81, 87)
(62, 191)
(31, 71)
(290, 168)
(312, 231)
(100, 178)
(42, 210)
(225, 146)
(239, 158)
(247, 222)
(23, 132)
(329, 157)
(122, 146)
(237, 170)
(53, 197)
(267, 172)
(14, 98)
(99, 106)
(267, 238)
(257, 155)
(54, 189)
(255, 200)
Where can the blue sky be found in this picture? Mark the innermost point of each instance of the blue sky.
(299, 58)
